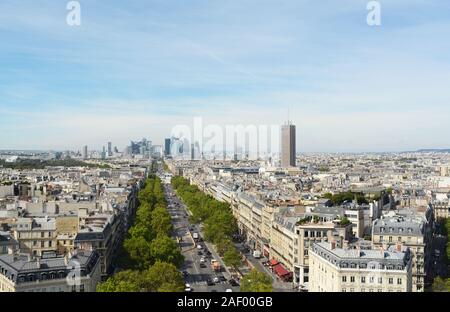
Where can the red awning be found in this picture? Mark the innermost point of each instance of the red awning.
(273, 262)
(280, 270)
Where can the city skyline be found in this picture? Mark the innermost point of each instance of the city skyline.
(350, 87)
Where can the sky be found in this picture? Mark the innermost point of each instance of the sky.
(138, 68)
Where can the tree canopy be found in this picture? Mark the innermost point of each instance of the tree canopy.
(151, 257)
(256, 281)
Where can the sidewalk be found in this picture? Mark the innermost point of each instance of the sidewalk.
(278, 285)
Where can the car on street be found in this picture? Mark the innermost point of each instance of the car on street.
(203, 265)
(202, 260)
(210, 282)
(199, 247)
(200, 253)
(187, 288)
(216, 280)
(185, 273)
(222, 278)
(229, 290)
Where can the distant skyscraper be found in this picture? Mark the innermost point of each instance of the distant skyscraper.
(167, 147)
(85, 152)
(110, 152)
(104, 153)
(288, 151)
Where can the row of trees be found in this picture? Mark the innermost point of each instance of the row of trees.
(152, 256)
(219, 227)
(441, 284)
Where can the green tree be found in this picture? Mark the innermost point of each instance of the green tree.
(163, 277)
(165, 249)
(222, 245)
(161, 221)
(441, 285)
(232, 258)
(125, 281)
(256, 281)
(139, 250)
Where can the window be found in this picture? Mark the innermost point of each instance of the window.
(391, 280)
(344, 290)
(380, 280)
(49, 234)
(344, 279)
(74, 288)
(372, 279)
(305, 252)
(352, 279)
(381, 238)
(399, 239)
(34, 243)
(390, 239)
(81, 288)
(399, 281)
(363, 279)
(49, 243)
(42, 244)
(42, 234)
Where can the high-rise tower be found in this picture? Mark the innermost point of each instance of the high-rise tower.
(288, 149)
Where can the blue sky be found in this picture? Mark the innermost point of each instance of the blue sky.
(138, 68)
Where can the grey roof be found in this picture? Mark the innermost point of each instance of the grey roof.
(15, 267)
(363, 258)
(6, 239)
(399, 225)
(286, 222)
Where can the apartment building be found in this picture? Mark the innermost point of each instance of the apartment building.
(103, 233)
(412, 231)
(334, 269)
(36, 235)
(309, 232)
(76, 273)
(8, 245)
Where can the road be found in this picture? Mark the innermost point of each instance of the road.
(197, 274)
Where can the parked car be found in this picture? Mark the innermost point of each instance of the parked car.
(185, 273)
(233, 283)
(216, 280)
(203, 265)
(222, 278)
(188, 288)
(210, 282)
(202, 260)
(229, 290)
